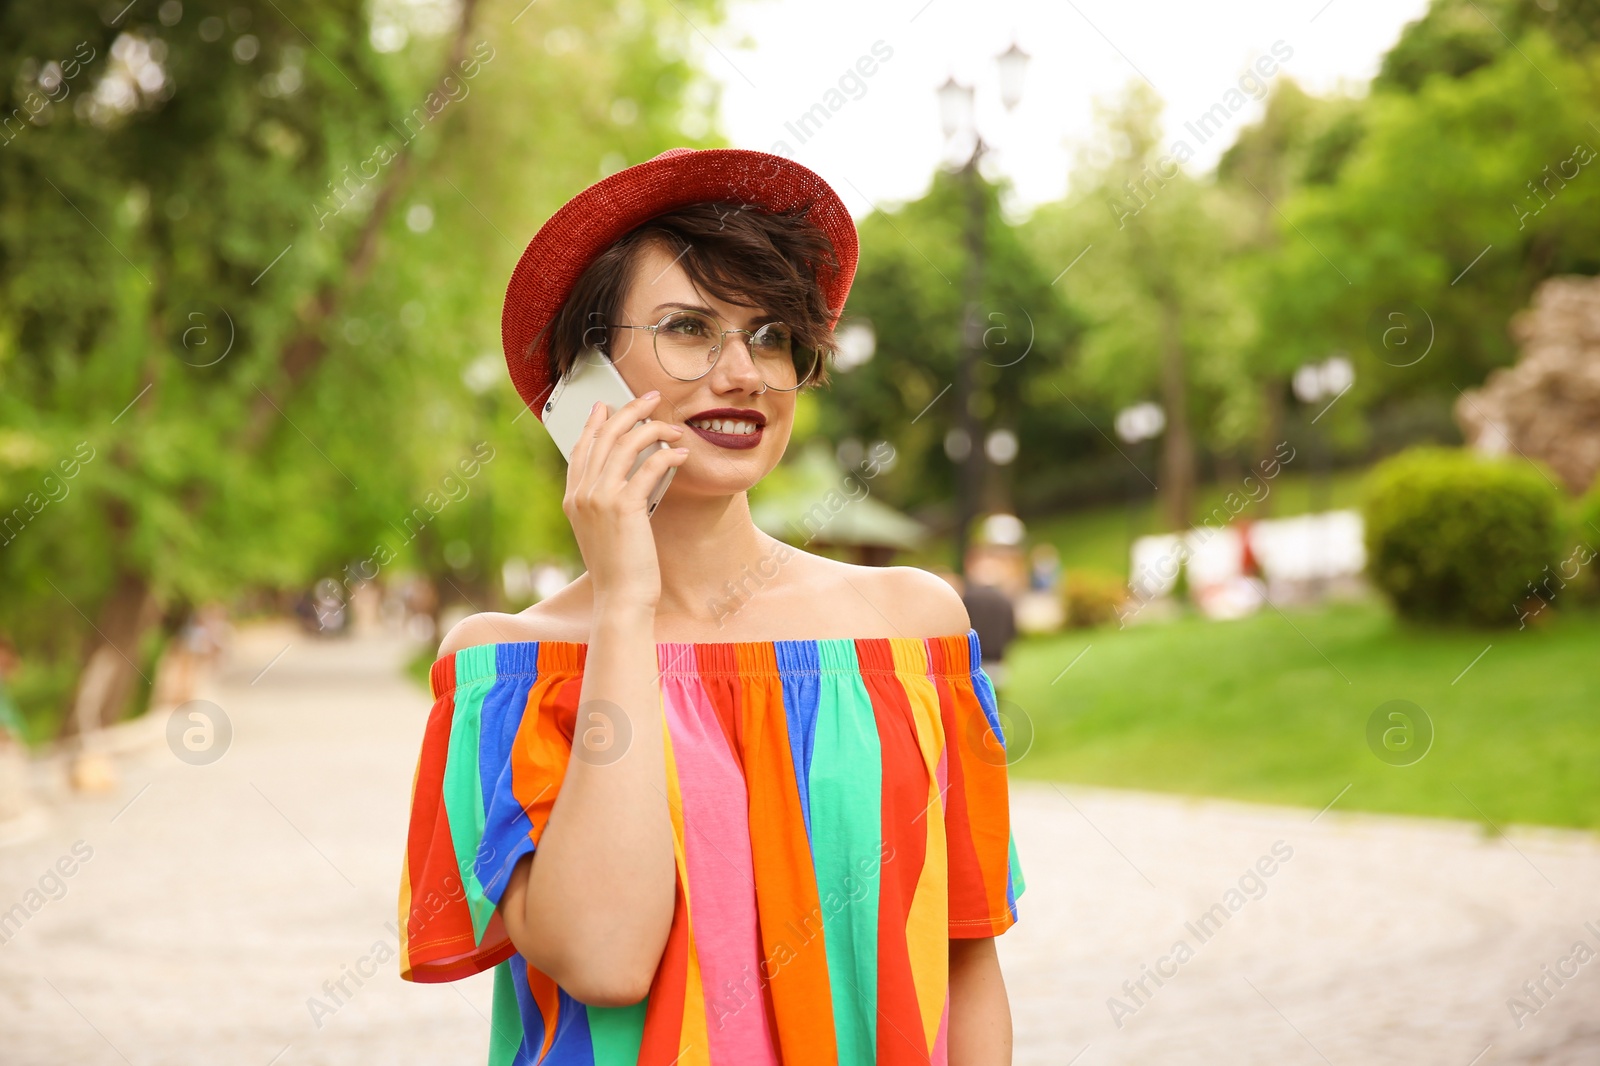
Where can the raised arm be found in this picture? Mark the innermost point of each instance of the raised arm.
(592, 906)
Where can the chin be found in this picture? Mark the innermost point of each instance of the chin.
(730, 482)
(724, 473)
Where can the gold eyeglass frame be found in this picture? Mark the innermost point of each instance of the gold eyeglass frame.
(717, 348)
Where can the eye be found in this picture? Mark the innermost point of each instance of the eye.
(774, 336)
(688, 324)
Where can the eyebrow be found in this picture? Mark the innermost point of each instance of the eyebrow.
(760, 316)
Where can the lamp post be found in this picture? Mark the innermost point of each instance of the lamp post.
(965, 443)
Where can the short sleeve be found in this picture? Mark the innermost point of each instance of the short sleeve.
(493, 757)
(985, 875)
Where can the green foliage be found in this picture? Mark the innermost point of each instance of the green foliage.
(249, 288)
(1581, 568)
(1151, 265)
(1503, 201)
(1587, 515)
(1456, 37)
(1159, 270)
(1451, 40)
(260, 360)
(1452, 537)
(1300, 139)
(909, 284)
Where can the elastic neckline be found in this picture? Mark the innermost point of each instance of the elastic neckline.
(951, 656)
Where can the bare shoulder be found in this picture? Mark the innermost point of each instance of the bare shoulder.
(923, 603)
(913, 602)
(558, 618)
(488, 627)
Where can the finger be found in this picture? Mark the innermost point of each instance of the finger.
(643, 482)
(607, 459)
(615, 424)
(579, 462)
(613, 470)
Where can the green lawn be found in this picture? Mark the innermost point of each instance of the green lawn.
(1274, 708)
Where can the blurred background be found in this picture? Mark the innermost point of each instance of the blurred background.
(1239, 363)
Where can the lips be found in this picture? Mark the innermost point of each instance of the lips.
(749, 431)
(730, 440)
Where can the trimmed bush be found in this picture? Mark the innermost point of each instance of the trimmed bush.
(1455, 537)
(1587, 520)
(1582, 563)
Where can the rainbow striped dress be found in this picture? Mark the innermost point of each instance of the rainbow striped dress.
(839, 810)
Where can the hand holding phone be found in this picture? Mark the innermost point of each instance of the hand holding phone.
(594, 378)
(607, 508)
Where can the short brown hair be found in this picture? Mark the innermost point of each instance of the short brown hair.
(735, 252)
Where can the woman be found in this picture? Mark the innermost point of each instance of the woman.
(720, 800)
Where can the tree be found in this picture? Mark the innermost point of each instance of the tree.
(908, 285)
(1456, 201)
(1454, 38)
(224, 269)
(1156, 286)
(1300, 140)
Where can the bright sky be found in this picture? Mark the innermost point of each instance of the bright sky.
(881, 139)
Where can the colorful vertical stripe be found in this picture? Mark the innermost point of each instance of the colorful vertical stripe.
(839, 811)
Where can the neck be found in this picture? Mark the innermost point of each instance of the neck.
(704, 543)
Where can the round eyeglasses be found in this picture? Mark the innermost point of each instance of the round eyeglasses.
(688, 344)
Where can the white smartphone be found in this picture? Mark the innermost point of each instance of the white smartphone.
(593, 378)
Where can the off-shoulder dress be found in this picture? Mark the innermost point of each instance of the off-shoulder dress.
(839, 813)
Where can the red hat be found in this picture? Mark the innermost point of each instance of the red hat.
(591, 221)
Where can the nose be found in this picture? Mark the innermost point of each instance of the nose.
(737, 370)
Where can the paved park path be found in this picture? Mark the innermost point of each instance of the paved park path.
(217, 900)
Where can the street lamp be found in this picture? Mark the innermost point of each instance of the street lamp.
(958, 118)
(955, 107)
(1013, 66)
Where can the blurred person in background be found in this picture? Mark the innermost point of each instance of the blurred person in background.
(991, 608)
(1044, 573)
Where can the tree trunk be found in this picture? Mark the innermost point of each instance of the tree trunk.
(1177, 466)
(1271, 434)
(111, 658)
(1177, 446)
(106, 680)
(306, 349)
